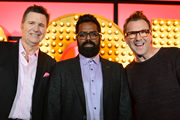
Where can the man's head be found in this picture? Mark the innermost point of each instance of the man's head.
(36, 9)
(88, 35)
(137, 34)
(33, 26)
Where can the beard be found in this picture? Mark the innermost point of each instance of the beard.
(89, 51)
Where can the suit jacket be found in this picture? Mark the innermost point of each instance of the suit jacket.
(9, 53)
(66, 98)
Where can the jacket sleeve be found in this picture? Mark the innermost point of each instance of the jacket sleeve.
(52, 109)
(125, 98)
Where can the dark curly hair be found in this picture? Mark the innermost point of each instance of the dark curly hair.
(87, 18)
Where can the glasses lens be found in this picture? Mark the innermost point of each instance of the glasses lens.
(82, 35)
(93, 35)
(131, 35)
(144, 33)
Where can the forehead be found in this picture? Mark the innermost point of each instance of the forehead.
(33, 16)
(87, 27)
(137, 25)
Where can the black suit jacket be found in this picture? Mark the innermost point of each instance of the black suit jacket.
(66, 99)
(9, 78)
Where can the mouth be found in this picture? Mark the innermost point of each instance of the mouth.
(35, 34)
(88, 45)
(139, 44)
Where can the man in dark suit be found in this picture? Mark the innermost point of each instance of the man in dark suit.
(88, 87)
(24, 69)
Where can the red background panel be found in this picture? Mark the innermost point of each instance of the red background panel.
(11, 12)
(150, 10)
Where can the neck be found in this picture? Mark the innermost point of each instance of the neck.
(30, 49)
(151, 53)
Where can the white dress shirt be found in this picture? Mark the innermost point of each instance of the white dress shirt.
(26, 76)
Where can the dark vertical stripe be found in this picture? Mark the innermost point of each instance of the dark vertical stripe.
(116, 12)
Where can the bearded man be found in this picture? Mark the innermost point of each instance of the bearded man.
(88, 87)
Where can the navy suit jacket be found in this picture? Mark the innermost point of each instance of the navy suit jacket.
(9, 78)
(66, 98)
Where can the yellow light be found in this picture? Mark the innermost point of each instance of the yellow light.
(61, 24)
(116, 32)
(102, 52)
(102, 45)
(103, 24)
(53, 37)
(110, 25)
(154, 22)
(109, 45)
(68, 24)
(123, 53)
(54, 24)
(161, 23)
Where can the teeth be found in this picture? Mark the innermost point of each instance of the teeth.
(139, 44)
(35, 34)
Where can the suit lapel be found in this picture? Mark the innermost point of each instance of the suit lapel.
(15, 56)
(39, 71)
(106, 71)
(77, 78)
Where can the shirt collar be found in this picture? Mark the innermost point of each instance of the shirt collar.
(23, 52)
(85, 60)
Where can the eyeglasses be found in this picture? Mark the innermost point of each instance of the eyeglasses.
(93, 35)
(133, 34)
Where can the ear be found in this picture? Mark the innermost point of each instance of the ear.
(100, 36)
(126, 40)
(21, 28)
(76, 37)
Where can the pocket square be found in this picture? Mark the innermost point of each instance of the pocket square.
(46, 74)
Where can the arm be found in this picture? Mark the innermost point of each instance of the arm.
(53, 100)
(125, 98)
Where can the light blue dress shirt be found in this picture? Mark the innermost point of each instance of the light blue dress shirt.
(93, 86)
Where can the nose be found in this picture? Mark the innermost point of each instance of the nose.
(88, 37)
(138, 36)
(36, 27)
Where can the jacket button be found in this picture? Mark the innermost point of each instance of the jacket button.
(84, 117)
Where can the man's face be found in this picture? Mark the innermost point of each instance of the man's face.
(88, 39)
(34, 28)
(140, 44)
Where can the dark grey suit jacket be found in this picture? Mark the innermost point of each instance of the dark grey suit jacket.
(9, 76)
(66, 99)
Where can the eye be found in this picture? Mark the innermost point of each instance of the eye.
(131, 33)
(82, 34)
(41, 25)
(31, 22)
(144, 31)
(93, 33)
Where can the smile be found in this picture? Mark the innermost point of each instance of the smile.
(139, 44)
(35, 34)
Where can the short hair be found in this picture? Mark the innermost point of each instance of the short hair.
(37, 9)
(137, 15)
(87, 18)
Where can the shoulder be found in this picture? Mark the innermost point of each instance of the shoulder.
(7, 44)
(170, 49)
(170, 52)
(106, 62)
(68, 62)
(46, 57)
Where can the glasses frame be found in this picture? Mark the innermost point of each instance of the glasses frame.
(138, 32)
(89, 35)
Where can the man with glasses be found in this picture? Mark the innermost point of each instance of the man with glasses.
(88, 87)
(154, 75)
